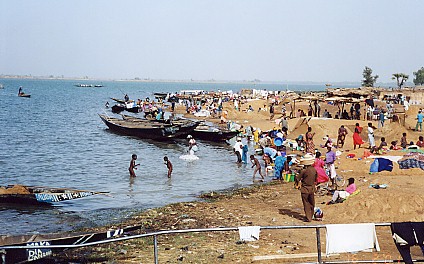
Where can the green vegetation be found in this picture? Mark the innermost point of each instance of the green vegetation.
(368, 80)
(419, 77)
(400, 78)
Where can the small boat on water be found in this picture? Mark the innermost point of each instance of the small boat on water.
(148, 129)
(121, 101)
(130, 107)
(38, 195)
(88, 85)
(24, 95)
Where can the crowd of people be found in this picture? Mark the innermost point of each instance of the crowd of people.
(313, 168)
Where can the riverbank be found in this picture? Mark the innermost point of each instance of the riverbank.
(278, 204)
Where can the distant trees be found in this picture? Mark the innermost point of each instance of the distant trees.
(400, 78)
(368, 80)
(419, 77)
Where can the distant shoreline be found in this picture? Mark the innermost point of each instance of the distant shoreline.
(251, 82)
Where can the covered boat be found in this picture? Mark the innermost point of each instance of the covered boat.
(36, 194)
(212, 133)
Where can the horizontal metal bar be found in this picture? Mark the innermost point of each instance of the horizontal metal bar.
(167, 232)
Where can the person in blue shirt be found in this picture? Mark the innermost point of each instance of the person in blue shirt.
(245, 150)
(420, 117)
(381, 119)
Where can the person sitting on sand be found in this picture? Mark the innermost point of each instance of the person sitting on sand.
(403, 140)
(341, 195)
(383, 146)
(420, 142)
(257, 166)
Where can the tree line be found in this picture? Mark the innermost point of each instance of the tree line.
(369, 79)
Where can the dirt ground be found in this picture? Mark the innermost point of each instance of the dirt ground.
(278, 204)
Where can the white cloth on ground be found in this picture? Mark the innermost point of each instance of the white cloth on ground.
(333, 172)
(343, 238)
(249, 233)
(392, 158)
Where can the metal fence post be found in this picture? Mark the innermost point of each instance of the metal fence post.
(155, 242)
(318, 245)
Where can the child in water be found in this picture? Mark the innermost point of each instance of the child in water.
(168, 165)
(256, 164)
(133, 166)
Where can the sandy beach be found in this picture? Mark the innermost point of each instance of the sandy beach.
(279, 204)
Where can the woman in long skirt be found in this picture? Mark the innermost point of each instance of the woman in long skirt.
(310, 146)
(357, 140)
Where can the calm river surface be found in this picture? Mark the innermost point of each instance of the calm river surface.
(56, 139)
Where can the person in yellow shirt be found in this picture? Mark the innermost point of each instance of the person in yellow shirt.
(256, 136)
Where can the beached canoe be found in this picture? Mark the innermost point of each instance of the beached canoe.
(186, 126)
(38, 195)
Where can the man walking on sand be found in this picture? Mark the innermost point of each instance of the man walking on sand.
(307, 177)
(420, 117)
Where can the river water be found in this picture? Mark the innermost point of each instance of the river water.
(56, 139)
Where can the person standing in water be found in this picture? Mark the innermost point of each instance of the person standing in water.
(257, 166)
(133, 165)
(192, 145)
(168, 165)
(238, 149)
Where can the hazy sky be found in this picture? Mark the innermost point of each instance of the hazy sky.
(297, 40)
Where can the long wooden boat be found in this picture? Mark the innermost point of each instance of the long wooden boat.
(186, 126)
(147, 129)
(18, 255)
(40, 195)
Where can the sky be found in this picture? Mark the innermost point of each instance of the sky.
(269, 40)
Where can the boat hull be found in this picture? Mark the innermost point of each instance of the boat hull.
(157, 132)
(30, 195)
(220, 136)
